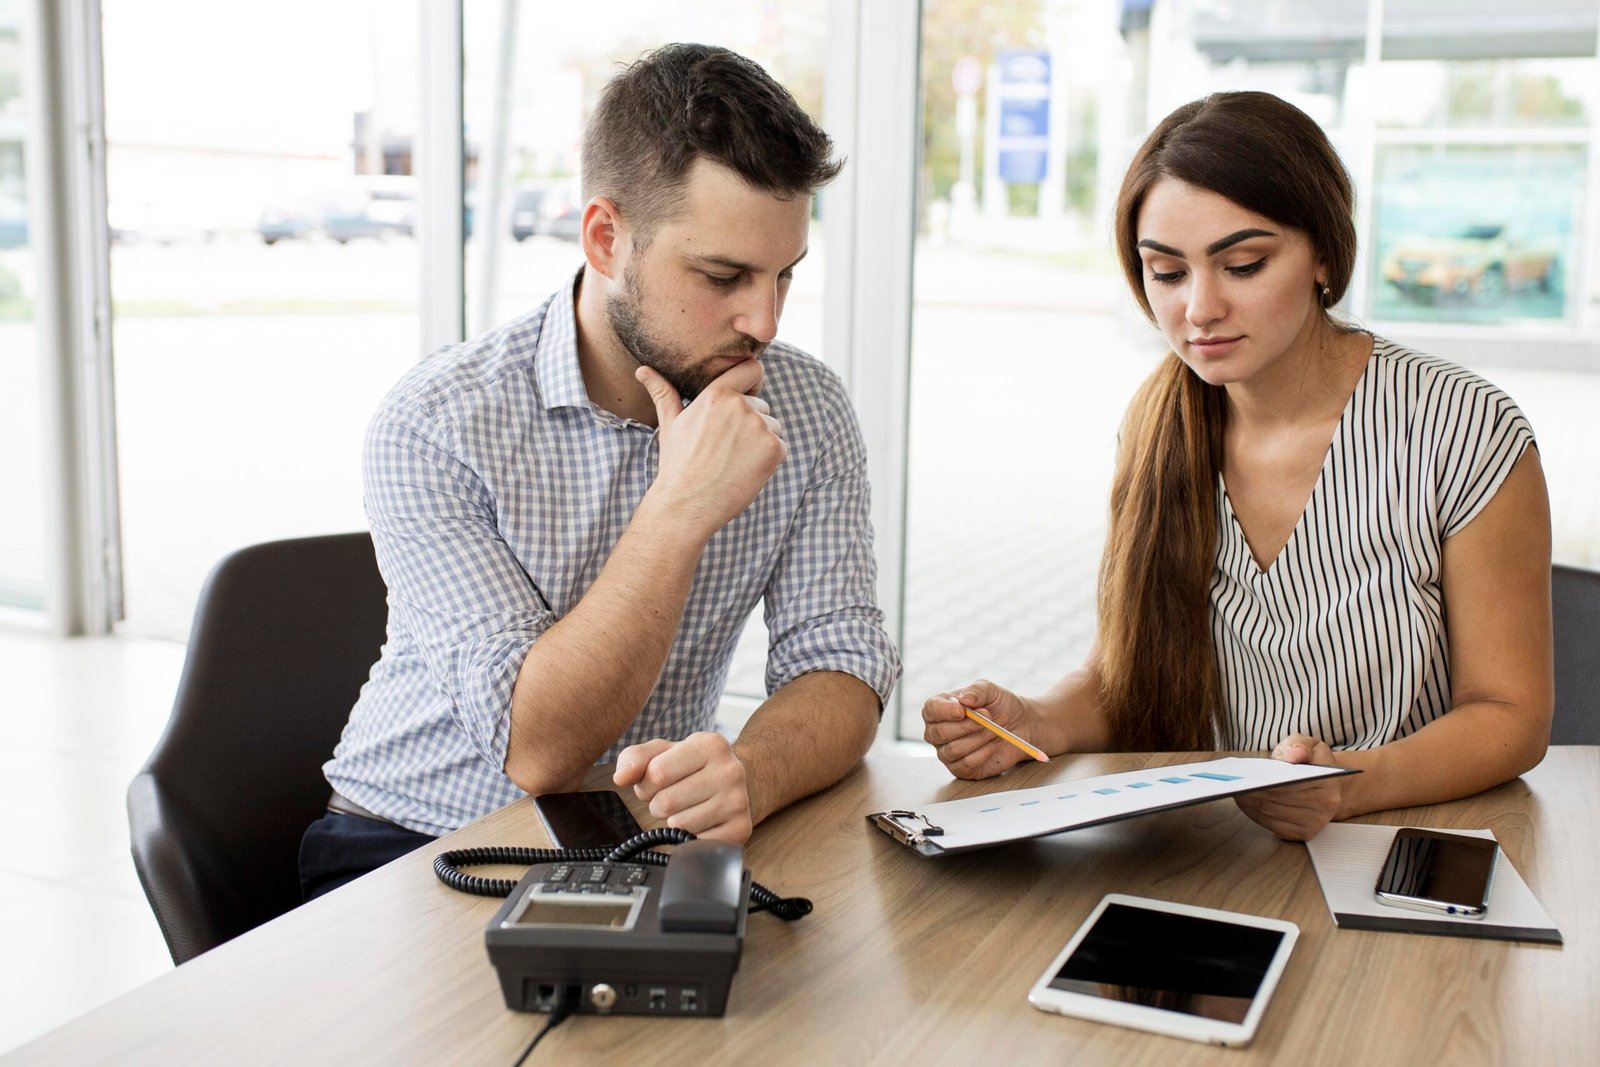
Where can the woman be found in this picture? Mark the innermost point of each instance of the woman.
(1320, 543)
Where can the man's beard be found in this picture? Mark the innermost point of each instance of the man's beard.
(624, 312)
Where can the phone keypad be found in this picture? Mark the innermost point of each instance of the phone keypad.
(617, 879)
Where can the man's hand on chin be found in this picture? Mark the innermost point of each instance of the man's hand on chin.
(697, 784)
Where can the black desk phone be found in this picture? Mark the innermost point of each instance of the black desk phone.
(619, 931)
(635, 939)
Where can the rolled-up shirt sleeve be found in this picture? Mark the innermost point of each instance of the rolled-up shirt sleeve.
(457, 591)
(822, 612)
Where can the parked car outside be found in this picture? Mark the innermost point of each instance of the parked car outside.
(1478, 262)
(279, 222)
(550, 206)
(378, 206)
(562, 215)
(557, 212)
(348, 215)
(525, 209)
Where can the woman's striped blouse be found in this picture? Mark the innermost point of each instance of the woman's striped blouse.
(1343, 636)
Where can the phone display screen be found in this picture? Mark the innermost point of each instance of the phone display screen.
(1172, 962)
(595, 819)
(1448, 869)
(542, 911)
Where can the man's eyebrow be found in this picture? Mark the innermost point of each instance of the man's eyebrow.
(728, 263)
(1211, 249)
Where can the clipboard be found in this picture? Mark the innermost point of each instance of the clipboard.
(1018, 814)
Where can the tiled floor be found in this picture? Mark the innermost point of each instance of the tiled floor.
(79, 717)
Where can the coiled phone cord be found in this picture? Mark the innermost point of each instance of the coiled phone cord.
(637, 849)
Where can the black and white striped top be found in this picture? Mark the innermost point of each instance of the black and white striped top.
(1343, 636)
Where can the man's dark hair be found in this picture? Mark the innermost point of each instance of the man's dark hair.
(682, 102)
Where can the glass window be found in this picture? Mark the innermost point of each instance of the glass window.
(1312, 55)
(1485, 93)
(1475, 234)
(1023, 349)
(263, 271)
(1488, 29)
(22, 563)
(1469, 145)
(1480, 215)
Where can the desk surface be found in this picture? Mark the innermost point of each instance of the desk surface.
(911, 960)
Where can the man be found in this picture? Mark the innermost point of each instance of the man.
(576, 512)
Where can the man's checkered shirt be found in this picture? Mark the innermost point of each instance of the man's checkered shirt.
(496, 491)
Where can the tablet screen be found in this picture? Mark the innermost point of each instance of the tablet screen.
(1177, 963)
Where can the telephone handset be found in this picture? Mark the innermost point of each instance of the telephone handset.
(704, 888)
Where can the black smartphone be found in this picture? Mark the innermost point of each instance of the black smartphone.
(595, 819)
(1439, 872)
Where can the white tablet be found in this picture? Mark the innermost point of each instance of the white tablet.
(1189, 972)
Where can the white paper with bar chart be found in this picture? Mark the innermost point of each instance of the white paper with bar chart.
(994, 818)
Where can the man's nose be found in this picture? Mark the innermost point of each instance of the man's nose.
(759, 317)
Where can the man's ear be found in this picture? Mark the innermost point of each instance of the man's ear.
(601, 232)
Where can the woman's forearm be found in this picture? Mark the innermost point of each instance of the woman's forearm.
(1472, 748)
(1070, 715)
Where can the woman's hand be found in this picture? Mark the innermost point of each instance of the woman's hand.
(1297, 812)
(969, 750)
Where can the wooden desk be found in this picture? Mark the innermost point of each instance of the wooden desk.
(911, 960)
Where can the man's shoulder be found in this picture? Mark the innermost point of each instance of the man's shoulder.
(799, 380)
(492, 367)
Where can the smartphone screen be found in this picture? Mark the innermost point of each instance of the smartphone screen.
(596, 819)
(1438, 872)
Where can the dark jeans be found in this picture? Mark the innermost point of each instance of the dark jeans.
(340, 848)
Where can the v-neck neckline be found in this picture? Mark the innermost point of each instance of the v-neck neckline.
(1257, 570)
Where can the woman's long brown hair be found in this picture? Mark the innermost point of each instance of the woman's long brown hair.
(1160, 687)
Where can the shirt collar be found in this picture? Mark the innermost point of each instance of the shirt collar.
(560, 377)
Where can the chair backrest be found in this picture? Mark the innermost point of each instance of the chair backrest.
(1575, 603)
(284, 636)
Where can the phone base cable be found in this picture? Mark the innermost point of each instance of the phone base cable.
(637, 849)
(566, 1003)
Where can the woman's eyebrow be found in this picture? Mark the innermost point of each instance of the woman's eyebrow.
(1234, 238)
(1157, 246)
(1211, 249)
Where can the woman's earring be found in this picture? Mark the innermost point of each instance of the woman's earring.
(1327, 296)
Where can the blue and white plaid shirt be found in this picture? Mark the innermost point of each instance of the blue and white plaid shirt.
(496, 492)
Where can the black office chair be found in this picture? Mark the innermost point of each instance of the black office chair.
(1575, 604)
(284, 636)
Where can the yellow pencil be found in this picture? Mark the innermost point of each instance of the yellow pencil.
(1006, 735)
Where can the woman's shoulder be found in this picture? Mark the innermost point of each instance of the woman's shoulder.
(1429, 381)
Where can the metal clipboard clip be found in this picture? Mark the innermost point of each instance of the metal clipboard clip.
(902, 826)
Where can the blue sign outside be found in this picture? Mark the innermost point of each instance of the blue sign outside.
(1024, 142)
